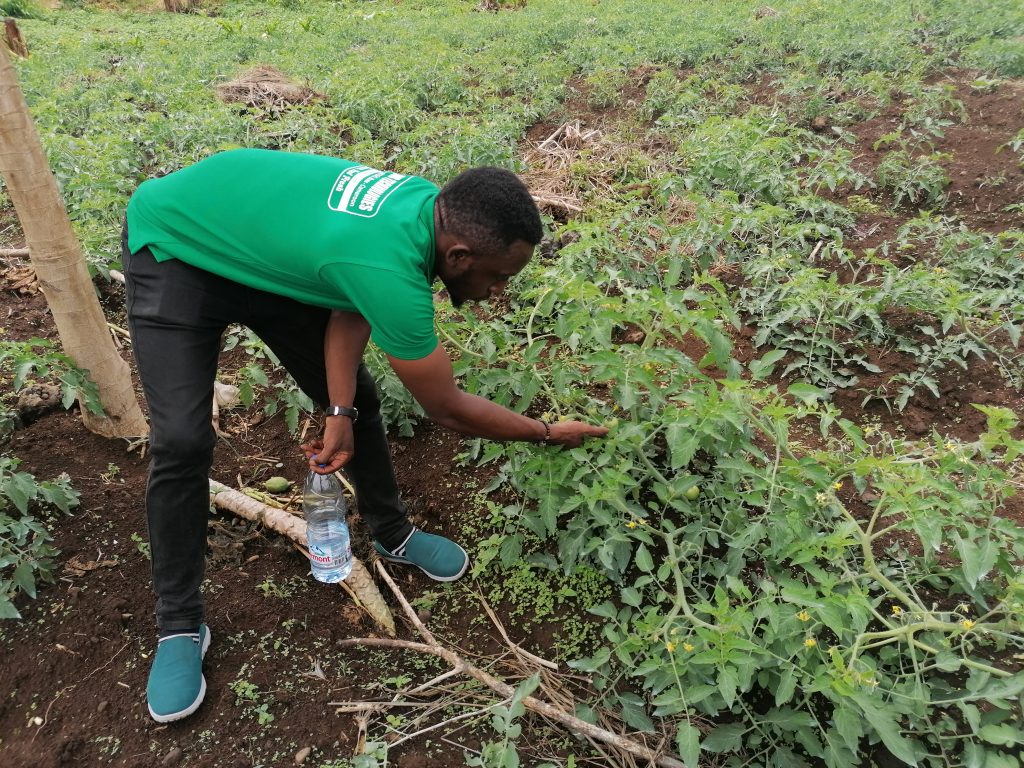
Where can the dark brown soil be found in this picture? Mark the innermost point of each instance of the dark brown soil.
(986, 176)
(78, 659)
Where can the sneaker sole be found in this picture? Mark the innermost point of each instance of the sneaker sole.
(403, 561)
(195, 704)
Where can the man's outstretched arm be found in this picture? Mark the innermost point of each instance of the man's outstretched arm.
(431, 381)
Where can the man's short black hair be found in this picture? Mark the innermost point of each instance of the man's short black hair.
(490, 207)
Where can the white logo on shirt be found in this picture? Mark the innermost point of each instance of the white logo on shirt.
(361, 190)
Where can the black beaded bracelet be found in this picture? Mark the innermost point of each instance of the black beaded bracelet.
(547, 431)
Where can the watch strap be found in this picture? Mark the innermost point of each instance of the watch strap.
(341, 410)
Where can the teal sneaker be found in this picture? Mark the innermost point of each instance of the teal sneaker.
(440, 558)
(176, 684)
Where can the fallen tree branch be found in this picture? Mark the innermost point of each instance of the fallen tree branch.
(359, 584)
(556, 202)
(535, 705)
(516, 649)
(427, 635)
(505, 690)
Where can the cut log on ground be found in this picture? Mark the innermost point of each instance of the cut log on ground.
(359, 584)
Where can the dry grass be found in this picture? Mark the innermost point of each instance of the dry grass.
(550, 174)
(267, 90)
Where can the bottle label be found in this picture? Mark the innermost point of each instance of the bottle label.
(318, 555)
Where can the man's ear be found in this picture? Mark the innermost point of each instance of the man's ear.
(458, 256)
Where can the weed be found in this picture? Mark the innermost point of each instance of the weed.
(251, 699)
(26, 555)
(141, 545)
(111, 474)
(503, 753)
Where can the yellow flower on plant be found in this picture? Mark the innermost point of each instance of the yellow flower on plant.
(804, 616)
(869, 431)
(837, 485)
(670, 647)
(821, 498)
(810, 642)
(631, 524)
(897, 611)
(967, 624)
(687, 647)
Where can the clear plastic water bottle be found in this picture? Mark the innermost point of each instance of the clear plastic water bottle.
(330, 552)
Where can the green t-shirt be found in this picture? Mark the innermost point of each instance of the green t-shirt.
(317, 229)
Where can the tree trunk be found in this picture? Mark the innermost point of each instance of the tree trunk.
(15, 42)
(180, 6)
(58, 262)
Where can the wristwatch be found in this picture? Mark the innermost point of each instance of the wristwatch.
(341, 410)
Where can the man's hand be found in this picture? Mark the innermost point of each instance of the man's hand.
(570, 434)
(335, 450)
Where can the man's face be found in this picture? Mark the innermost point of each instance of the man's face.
(485, 277)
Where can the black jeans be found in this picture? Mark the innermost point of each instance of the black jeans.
(177, 315)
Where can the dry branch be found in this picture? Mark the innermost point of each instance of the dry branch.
(531, 703)
(505, 690)
(359, 584)
(267, 88)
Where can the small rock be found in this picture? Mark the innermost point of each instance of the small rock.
(302, 754)
(37, 399)
(103, 707)
(73, 594)
(173, 757)
(916, 422)
(423, 614)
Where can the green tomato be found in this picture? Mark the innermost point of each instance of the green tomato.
(693, 492)
(277, 484)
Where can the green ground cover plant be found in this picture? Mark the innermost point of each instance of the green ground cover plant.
(26, 555)
(760, 601)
